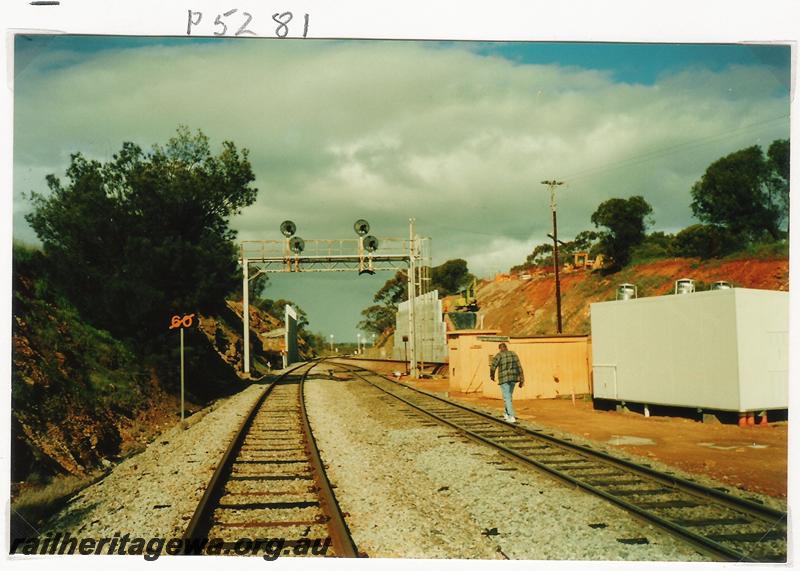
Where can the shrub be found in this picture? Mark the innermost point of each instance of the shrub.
(705, 241)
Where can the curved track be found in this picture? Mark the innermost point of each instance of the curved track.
(723, 526)
(271, 484)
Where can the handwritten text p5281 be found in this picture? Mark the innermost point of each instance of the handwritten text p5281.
(238, 23)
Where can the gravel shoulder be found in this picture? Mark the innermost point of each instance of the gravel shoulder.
(416, 489)
(155, 493)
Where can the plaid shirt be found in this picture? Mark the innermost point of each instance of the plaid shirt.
(506, 363)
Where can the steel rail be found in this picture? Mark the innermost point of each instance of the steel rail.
(198, 526)
(342, 540)
(768, 514)
(201, 523)
(433, 366)
(765, 513)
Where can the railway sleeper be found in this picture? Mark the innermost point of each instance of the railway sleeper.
(667, 504)
(299, 535)
(549, 453)
(256, 452)
(276, 486)
(748, 537)
(223, 517)
(254, 496)
(651, 492)
(619, 481)
(284, 461)
(304, 527)
(276, 470)
(272, 430)
(711, 522)
(295, 454)
(514, 436)
(291, 439)
(491, 434)
(530, 447)
(256, 477)
(569, 469)
(311, 546)
(269, 505)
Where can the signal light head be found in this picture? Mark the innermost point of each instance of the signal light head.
(297, 244)
(361, 227)
(370, 243)
(288, 228)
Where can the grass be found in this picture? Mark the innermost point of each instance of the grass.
(762, 251)
(33, 506)
(771, 250)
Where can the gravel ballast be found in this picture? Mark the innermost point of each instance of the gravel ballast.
(155, 493)
(417, 489)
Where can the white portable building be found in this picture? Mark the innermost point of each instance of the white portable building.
(723, 349)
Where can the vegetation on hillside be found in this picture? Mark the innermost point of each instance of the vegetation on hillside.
(625, 221)
(126, 244)
(741, 202)
(64, 372)
(528, 307)
(146, 235)
(746, 192)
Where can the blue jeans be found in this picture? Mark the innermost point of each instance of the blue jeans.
(508, 390)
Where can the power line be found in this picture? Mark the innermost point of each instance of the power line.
(632, 161)
(644, 157)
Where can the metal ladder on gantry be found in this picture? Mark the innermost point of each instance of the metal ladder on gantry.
(365, 254)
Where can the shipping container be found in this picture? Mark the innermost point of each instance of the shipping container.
(723, 349)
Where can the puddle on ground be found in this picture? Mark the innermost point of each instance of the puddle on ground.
(728, 447)
(617, 440)
(717, 446)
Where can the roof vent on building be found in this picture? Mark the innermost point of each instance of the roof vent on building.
(626, 291)
(721, 285)
(684, 285)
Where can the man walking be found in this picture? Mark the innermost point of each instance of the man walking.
(507, 365)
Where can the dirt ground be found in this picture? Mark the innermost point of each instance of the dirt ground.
(753, 458)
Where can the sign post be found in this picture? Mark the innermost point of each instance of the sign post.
(181, 322)
(182, 407)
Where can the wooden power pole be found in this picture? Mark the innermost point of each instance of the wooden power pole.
(552, 184)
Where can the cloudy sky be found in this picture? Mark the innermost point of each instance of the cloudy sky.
(457, 135)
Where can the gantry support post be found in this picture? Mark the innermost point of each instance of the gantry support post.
(412, 293)
(246, 314)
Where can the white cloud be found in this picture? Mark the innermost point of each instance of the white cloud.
(390, 130)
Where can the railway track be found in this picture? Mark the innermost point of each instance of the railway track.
(269, 495)
(723, 526)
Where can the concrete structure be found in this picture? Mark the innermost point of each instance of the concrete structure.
(430, 329)
(722, 350)
(553, 366)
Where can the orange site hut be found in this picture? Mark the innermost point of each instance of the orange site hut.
(553, 366)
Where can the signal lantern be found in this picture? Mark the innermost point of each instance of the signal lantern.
(361, 227)
(288, 228)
